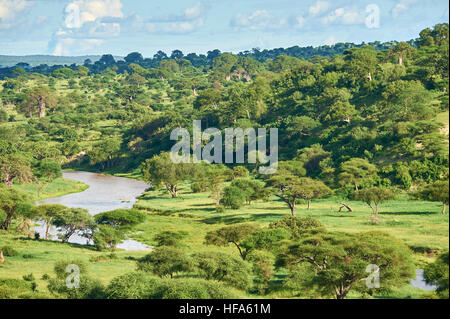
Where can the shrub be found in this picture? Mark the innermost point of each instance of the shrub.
(165, 261)
(233, 197)
(29, 277)
(298, 226)
(223, 267)
(9, 251)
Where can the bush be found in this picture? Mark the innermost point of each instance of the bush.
(298, 226)
(29, 277)
(8, 251)
(170, 238)
(138, 285)
(28, 256)
(191, 288)
(223, 267)
(233, 197)
(165, 261)
(263, 268)
(45, 277)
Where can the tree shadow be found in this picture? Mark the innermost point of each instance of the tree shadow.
(408, 213)
(234, 219)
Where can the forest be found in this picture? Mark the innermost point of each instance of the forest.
(362, 179)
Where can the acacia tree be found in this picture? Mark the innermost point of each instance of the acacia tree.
(160, 170)
(48, 212)
(436, 192)
(13, 204)
(334, 263)
(15, 167)
(289, 188)
(234, 234)
(374, 196)
(47, 170)
(38, 98)
(70, 221)
(356, 171)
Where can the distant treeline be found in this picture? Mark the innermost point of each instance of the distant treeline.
(98, 64)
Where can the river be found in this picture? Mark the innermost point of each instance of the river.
(105, 193)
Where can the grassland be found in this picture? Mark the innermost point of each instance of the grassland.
(419, 223)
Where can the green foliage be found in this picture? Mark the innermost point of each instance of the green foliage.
(223, 267)
(13, 204)
(72, 220)
(334, 263)
(165, 261)
(437, 274)
(121, 217)
(298, 226)
(170, 238)
(107, 237)
(374, 196)
(233, 197)
(233, 234)
(8, 251)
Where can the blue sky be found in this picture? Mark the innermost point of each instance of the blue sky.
(82, 27)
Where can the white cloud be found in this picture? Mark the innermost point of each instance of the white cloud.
(84, 11)
(319, 7)
(9, 10)
(183, 27)
(299, 22)
(344, 16)
(86, 24)
(260, 19)
(401, 5)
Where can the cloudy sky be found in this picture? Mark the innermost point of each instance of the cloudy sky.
(81, 27)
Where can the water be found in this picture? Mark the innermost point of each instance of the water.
(420, 281)
(105, 193)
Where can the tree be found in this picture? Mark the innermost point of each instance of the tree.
(38, 98)
(105, 152)
(160, 170)
(70, 221)
(165, 261)
(401, 50)
(436, 192)
(223, 267)
(234, 234)
(356, 171)
(123, 218)
(48, 212)
(134, 57)
(298, 226)
(265, 239)
(251, 189)
(15, 167)
(437, 274)
(47, 170)
(13, 204)
(232, 197)
(170, 238)
(107, 237)
(263, 268)
(334, 263)
(374, 196)
(289, 188)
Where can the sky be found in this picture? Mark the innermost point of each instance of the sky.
(118, 27)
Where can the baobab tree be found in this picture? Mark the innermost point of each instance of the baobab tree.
(38, 99)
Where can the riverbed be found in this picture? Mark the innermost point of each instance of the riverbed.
(105, 193)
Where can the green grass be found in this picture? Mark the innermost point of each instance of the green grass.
(419, 223)
(56, 188)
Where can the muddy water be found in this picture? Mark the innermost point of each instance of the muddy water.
(105, 193)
